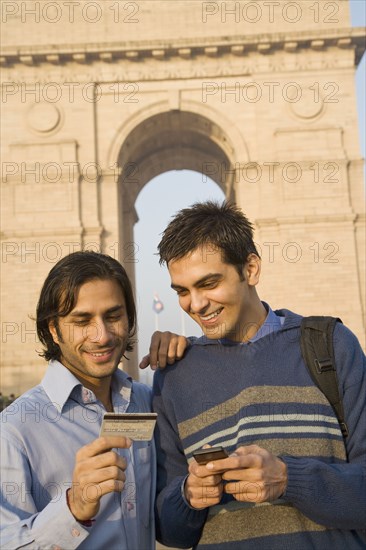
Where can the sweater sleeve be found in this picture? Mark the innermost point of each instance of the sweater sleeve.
(334, 495)
(177, 524)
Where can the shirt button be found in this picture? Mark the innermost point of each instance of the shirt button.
(75, 533)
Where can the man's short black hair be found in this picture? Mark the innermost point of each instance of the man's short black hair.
(220, 226)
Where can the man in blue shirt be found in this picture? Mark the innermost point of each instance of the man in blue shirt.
(63, 486)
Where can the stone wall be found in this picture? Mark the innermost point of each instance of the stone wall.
(91, 111)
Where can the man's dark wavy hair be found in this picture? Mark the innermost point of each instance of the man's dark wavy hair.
(61, 288)
(220, 226)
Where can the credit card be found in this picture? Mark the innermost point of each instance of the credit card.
(136, 426)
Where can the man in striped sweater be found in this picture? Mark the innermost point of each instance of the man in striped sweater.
(290, 481)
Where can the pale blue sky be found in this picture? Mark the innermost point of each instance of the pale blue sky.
(168, 193)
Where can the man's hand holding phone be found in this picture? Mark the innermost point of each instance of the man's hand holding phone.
(251, 474)
(203, 488)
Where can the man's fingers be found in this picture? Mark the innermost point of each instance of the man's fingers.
(205, 492)
(210, 481)
(103, 444)
(169, 346)
(246, 491)
(113, 485)
(158, 345)
(145, 362)
(183, 344)
(223, 464)
(96, 477)
(236, 461)
(97, 469)
(200, 471)
(251, 475)
(110, 473)
(96, 473)
(177, 347)
(92, 491)
(165, 348)
(201, 496)
(108, 459)
(253, 452)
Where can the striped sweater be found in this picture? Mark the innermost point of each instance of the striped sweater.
(261, 393)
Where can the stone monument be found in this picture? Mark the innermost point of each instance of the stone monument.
(99, 97)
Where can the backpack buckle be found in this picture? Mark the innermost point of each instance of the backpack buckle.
(323, 365)
(344, 429)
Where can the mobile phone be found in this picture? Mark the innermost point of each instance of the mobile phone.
(203, 456)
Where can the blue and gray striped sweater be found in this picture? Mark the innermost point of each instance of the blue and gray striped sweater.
(261, 393)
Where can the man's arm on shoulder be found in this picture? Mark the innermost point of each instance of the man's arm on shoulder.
(165, 348)
(177, 523)
(334, 495)
(22, 525)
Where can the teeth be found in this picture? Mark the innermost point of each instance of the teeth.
(99, 354)
(212, 315)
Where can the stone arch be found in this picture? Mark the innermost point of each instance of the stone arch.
(159, 139)
(173, 72)
(202, 139)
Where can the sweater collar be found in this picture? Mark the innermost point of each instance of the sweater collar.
(280, 319)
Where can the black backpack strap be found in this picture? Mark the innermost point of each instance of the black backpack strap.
(318, 353)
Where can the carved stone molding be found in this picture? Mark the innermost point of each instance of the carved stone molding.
(210, 47)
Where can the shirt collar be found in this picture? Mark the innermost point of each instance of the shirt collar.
(59, 383)
(272, 323)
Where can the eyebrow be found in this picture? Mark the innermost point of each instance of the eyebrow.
(201, 281)
(86, 314)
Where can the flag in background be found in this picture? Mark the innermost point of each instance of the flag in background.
(157, 304)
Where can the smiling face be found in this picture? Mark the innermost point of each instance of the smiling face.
(93, 336)
(214, 295)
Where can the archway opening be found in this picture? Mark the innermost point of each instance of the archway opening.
(202, 157)
(175, 140)
(158, 201)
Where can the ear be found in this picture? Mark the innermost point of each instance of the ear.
(54, 333)
(252, 269)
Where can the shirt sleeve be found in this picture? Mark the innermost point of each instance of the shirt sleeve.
(177, 524)
(22, 525)
(334, 495)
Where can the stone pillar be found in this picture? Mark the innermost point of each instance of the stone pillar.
(128, 256)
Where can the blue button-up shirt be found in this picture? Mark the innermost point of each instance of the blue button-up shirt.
(40, 435)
